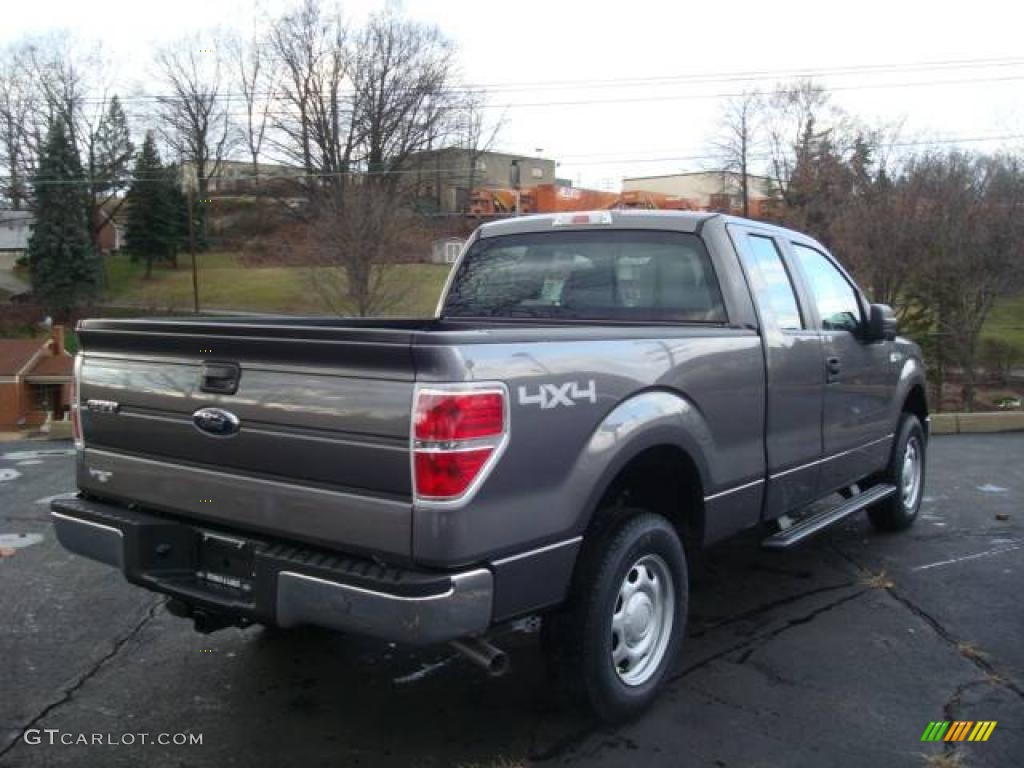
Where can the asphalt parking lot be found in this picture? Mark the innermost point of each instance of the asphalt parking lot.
(837, 654)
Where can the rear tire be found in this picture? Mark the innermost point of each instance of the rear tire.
(624, 623)
(906, 471)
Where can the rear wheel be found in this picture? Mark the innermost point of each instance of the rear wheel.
(906, 471)
(625, 620)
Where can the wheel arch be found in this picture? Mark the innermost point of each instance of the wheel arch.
(912, 393)
(652, 457)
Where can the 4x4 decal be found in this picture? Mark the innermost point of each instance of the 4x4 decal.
(554, 395)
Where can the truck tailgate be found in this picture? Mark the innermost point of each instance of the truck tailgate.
(322, 447)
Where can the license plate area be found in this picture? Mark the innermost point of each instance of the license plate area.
(225, 561)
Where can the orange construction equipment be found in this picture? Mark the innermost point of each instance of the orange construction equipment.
(500, 201)
(653, 201)
(553, 198)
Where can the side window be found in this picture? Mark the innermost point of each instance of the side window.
(836, 300)
(776, 293)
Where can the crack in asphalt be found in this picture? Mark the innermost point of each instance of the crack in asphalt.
(566, 745)
(950, 707)
(755, 642)
(764, 608)
(68, 692)
(937, 627)
(994, 676)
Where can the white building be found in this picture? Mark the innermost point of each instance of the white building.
(15, 228)
(711, 190)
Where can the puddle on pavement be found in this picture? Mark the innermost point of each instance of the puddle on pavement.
(48, 499)
(989, 488)
(19, 540)
(40, 454)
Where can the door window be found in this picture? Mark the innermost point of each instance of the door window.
(835, 298)
(775, 293)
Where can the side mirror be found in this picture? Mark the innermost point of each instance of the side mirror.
(881, 323)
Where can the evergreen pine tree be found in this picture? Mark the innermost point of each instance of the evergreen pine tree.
(109, 166)
(177, 213)
(65, 269)
(150, 228)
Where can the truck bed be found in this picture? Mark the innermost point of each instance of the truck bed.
(322, 455)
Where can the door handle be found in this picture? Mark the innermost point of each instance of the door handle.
(832, 368)
(219, 378)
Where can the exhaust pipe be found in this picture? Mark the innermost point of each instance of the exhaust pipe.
(483, 654)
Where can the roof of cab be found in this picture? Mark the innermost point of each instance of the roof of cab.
(681, 221)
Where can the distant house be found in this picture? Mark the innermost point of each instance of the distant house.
(15, 229)
(446, 250)
(35, 380)
(110, 237)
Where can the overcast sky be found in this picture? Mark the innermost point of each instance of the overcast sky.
(650, 126)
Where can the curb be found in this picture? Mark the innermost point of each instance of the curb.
(976, 423)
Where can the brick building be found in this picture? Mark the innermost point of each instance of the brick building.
(35, 380)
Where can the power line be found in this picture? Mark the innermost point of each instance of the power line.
(427, 171)
(763, 74)
(907, 143)
(673, 97)
(662, 80)
(689, 97)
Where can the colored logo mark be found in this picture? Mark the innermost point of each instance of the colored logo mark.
(959, 730)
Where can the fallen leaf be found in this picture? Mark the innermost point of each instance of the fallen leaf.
(7, 551)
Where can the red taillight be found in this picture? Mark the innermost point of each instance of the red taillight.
(455, 435)
(76, 410)
(445, 417)
(446, 474)
(76, 424)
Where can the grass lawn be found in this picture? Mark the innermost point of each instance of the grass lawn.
(1006, 322)
(224, 283)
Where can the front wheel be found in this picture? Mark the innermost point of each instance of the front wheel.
(906, 471)
(625, 620)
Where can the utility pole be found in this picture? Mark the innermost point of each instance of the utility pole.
(192, 250)
(515, 183)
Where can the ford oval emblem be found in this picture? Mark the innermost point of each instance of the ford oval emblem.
(216, 422)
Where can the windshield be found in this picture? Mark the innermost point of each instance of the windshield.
(589, 275)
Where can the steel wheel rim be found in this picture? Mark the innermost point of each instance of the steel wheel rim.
(642, 620)
(910, 476)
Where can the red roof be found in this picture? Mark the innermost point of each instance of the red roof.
(15, 354)
(54, 365)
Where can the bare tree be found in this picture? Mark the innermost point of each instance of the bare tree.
(256, 73)
(353, 252)
(194, 114)
(355, 106)
(474, 136)
(798, 116)
(401, 98)
(16, 150)
(970, 223)
(42, 79)
(739, 137)
(59, 74)
(314, 120)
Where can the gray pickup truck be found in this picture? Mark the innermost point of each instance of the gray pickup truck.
(597, 395)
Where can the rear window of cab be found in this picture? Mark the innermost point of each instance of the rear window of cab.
(639, 275)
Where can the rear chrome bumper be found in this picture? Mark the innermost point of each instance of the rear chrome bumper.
(286, 585)
(465, 609)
